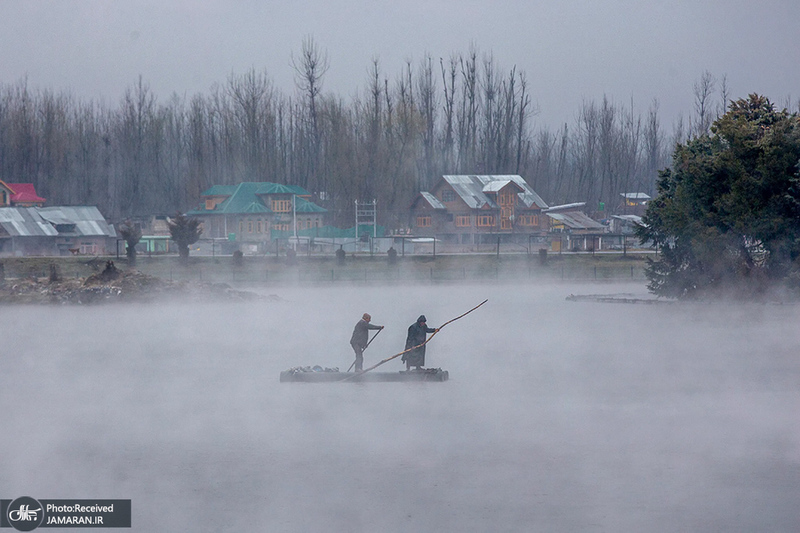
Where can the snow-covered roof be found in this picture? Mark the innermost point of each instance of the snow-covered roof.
(495, 186)
(567, 207)
(472, 189)
(42, 221)
(635, 195)
(432, 200)
(629, 218)
(576, 220)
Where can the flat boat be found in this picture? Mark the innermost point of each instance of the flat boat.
(299, 375)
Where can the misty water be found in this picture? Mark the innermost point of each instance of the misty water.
(558, 416)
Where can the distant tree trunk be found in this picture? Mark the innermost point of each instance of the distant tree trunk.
(132, 234)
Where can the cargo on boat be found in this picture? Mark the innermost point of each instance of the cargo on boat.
(329, 375)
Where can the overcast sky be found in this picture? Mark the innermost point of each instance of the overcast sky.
(570, 50)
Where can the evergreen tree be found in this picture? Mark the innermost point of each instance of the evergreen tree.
(727, 215)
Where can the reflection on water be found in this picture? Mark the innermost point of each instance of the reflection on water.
(558, 415)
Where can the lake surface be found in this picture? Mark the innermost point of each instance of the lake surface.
(558, 416)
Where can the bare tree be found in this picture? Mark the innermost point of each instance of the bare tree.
(310, 69)
(449, 86)
(132, 234)
(427, 106)
(724, 94)
(703, 91)
(134, 131)
(653, 148)
(468, 112)
(251, 96)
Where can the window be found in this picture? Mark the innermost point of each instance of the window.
(88, 248)
(281, 206)
(258, 227)
(423, 222)
(241, 226)
(529, 220)
(209, 205)
(448, 195)
(485, 220)
(249, 226)
(463, 221)
(506, 198)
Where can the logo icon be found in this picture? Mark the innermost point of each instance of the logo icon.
(25, 514)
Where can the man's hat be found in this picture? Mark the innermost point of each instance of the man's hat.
(366, 317)
(422, 318)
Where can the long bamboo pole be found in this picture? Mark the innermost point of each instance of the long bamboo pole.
(365, 347)
(373, 367)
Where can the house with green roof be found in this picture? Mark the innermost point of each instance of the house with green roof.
(249, 211)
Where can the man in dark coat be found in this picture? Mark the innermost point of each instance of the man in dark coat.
(360, 339)
(417, 334)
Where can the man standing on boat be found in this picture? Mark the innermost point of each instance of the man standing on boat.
(360, 339)
(417, 334)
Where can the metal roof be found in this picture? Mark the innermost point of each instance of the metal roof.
(278, 188)
(630, 218)
(246, 198)
(432, 200)
(565, 207)
(576, 220)
(25, 222)
(220, 190)
(635, 195)
(42, 221)
(495, 186)
(472, 189)
(256, 207)
(24, 192)
(301, 205)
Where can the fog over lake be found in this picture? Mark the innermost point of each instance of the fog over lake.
(558, 416)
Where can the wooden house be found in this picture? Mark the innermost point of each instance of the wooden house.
(471, 209)
(249, 211)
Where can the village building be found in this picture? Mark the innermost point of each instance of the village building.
(472, 209)
(61, 230)
(248, 212)
(633, 203)
(573, 230)
(19, 195)
(156, 237)
(624, 224)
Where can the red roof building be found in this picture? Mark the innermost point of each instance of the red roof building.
(19, 195)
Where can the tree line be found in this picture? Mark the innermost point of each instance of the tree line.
(463, 114)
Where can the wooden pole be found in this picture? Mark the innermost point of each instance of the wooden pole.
(365, 347)
(373, 367)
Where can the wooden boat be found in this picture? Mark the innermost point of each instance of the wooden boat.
(300, 375)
